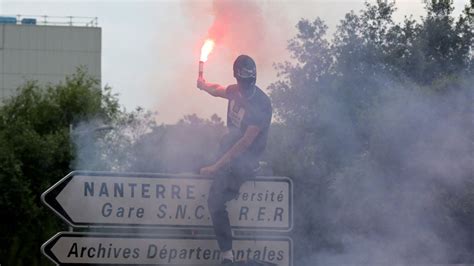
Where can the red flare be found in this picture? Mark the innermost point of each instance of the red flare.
(206, 49)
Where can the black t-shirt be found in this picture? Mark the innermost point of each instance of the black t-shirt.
(241, 113)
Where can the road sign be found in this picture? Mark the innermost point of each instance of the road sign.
(99, 199)
(67, 248)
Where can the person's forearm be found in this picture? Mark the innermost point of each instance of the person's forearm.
(238, 148)
(213, 88)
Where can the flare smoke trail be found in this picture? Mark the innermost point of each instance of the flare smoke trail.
(238, 27)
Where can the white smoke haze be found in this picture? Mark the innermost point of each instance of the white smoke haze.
(381, 218)
(375, 216)
(181, 148)
(85, 137)
(108, 145)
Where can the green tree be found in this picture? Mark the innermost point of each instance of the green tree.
(354, 113)
(36, 150)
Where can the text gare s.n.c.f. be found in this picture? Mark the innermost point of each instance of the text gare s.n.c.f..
(178, 202)
(114, 200)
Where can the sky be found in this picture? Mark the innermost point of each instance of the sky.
(150, 49)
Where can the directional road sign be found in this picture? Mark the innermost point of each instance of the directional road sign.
(69, 248)
(99, 199)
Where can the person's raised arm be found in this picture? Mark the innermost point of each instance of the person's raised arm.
(213, 89)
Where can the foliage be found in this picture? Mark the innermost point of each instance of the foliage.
(36, 149)
(352, 110)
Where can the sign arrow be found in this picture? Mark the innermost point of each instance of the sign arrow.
(69, 248)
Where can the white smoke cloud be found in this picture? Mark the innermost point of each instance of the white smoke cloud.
(392, 207)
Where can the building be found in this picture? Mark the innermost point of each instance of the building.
(46, 49)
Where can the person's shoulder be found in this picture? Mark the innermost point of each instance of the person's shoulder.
(263, 98)
(232, 90)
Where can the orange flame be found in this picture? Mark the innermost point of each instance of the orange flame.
(206, 49)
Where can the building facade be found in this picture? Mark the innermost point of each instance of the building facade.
(46, 51)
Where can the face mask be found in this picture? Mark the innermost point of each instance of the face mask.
(247, 86)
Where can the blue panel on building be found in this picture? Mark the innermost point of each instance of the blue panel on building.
(29, 21)
(7, 20)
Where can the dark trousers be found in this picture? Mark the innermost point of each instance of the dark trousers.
(225, 187)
